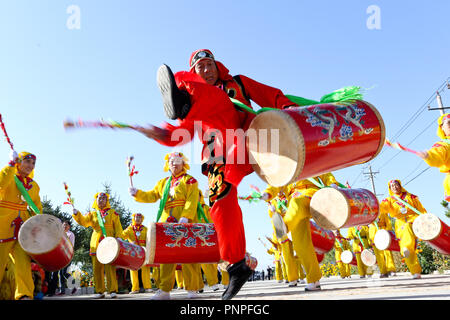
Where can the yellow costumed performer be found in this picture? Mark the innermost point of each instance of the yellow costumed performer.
(297, 222)
(137, 233)
(439, 154)
(13, 213)
(356, 234)
(105, 222)
(180, 206)
(384, 222)
(402, 206)
(340, 245)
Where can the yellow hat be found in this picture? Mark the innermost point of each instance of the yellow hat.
(22, 156)
(440, 132)
(98, 194)
(178, 155)
(136, 214)
(389, 186)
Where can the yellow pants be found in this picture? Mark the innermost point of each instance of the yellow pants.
(156, 276)
(362, 268)
(100, 272)
(297, 220)
(225, 277)
(22, 268)
(145, 275)
(278, 270)
(210, 271)
(290, 264)
(407, 240)
(389, 259)
(190, 276)
(179, 278)
(344, 268)
(301, 273)
(379, 254)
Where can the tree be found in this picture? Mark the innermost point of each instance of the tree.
(447, 209)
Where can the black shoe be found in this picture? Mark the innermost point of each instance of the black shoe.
(239, 273)
(176, 102)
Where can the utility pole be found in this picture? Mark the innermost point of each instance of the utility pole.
(371, 175)
(440, 107)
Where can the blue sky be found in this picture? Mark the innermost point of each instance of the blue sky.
(107, 69)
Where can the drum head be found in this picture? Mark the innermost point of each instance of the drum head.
(382, 239)
(276, 147)
(150, 246)
(107, 251)
(41, 234)
(346, 256)
(279, 225)
(427, 226)
(368, 258)
(329, 208)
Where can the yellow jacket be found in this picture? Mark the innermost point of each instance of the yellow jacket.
(439, 156)
(113, 227)
(136, 234)
(364, 233)
(12, 204)
(344, 242)
(182, 200)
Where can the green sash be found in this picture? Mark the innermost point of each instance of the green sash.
(201, 213)
(162, 202)
(407, 204)
(101, 222)
(26, 196)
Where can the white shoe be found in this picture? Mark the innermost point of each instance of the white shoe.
(314, 286)
(215, 287)
(113, 295)
(225, 287)
(280, 281)
(161, 295)
(148, 290)
(134, 292)
(192, 294)
(417, 276)
(301, 281)
(99, 296)
(292, 284)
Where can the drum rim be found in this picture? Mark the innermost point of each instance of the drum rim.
(42, 216)
(300, 147)
(353, 255)
(117, 251)
(375, 239)
(151, 244)
(284, 231)
(382, 129)
(373, 254)
(424, 216)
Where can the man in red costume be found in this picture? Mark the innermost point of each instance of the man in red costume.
(200, 100)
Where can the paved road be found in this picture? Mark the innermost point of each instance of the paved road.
(400, 287)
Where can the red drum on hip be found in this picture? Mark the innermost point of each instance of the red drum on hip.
(434, 231)
(320, 256)
(120, 253)
(386, 240)
(43, 238)
(297, 143)
(335, 208)
(250, 261)
(182, 243)
(322, 239)
(348, 257)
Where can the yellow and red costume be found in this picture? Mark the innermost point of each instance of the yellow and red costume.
(297, 219)
(385, 259)
(439, 155)
(358, 247)
(225, 158)
(181, 202)
(137, 233)
(404, 217)
(341, 244)
(13, 213)
(113, 228)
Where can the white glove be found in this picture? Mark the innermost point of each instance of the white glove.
(75, 211)
(132, 191)
(272, 208)
(183, 220)
(13, 156)
(265, 196)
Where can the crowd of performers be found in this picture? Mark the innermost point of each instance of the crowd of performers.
(202, 95)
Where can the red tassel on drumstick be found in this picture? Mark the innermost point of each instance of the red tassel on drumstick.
(70, 200)
(398, 146)
(2, 125)
(131, 170)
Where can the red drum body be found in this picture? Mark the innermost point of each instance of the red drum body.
(435, 232)
(320, 256)
(323, 240)
(120, 253)
(386, 240)
(335, 208)
(182, 243)
(43, 238)
(251, 261)
(297, 143)
(348, 257)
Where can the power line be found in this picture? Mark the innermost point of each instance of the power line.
(417, 176)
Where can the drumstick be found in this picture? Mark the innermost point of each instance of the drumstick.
(111, 124)
(5, 133)
(69, 196)
(398, 146)
(131, 171)
(262, 243)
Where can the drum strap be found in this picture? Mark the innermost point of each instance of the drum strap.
(319, 183)
(163, 201)
(407, 204)
(201, 213)
(358, 233)
(101, 222)
(26, 196)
